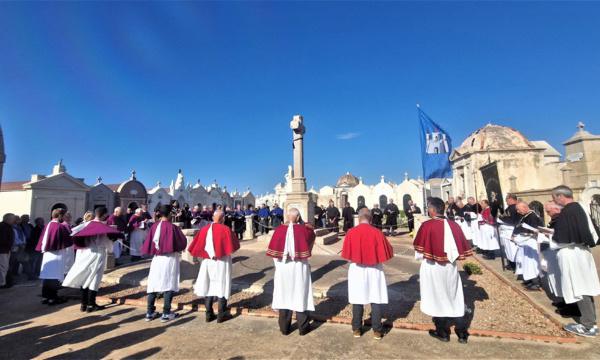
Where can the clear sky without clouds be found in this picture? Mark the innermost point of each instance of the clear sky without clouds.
(211, 87)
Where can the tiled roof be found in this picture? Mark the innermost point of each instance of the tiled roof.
(12, 185)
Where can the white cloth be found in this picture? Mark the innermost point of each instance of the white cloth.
(117, 249)
(136, 240)
(489, 237)
(55, 264)
(4, 264)
(449, 243)
(553, 271)
(164, 273)
(209, 246)
(527, 258)
(366, 284)
(466, 229)
(510, 248)
(292, 288)
(579, 276)
(289, 248)
(89, 265)
(441, 290)
(474, 227)
(156, 238)
(214, 278)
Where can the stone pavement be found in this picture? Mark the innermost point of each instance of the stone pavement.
(253, 270)
(30, 330)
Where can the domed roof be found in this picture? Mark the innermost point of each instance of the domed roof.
(347, 180)
(494, 137)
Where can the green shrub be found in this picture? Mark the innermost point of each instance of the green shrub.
(472, 268)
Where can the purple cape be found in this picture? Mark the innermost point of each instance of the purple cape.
(93, 228)
(58, 237)
(171, 240)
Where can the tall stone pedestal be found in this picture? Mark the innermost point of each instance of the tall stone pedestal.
(189, 235)
(303, 203)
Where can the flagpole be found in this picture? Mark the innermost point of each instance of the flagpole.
(424, 195)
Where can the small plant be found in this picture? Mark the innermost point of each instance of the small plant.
(472, 268)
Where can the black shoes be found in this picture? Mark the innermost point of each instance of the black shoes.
(95, 307)
(210, 316)
(224, 317)
(440, 337)
(462, 340)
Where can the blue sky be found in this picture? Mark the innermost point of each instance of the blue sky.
(211, 87)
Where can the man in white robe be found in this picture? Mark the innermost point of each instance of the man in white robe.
(87, 271)
(291, 247)
(525, 236)
(440, 243)
(164, 243)
(574, 234)
(367, 249)
(215, 244)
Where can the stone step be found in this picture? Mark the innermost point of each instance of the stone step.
(328, 239)
(321, 232)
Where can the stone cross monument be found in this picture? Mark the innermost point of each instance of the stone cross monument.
(299, 197)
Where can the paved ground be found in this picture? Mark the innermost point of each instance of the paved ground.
(30, 330)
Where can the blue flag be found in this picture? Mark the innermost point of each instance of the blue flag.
(436, 147)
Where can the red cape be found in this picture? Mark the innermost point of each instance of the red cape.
(224, 240)
(93, 228)
(366, 245)
(430, 241)
(304, 239)
(59, 237)
(170, 240)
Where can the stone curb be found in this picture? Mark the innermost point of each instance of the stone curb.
(347, 321)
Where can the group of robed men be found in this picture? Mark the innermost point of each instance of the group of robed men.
(440, 243)
(329, 217)
(560, 251)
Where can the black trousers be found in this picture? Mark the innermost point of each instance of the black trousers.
(442, 326)
(285, 321)
(376, 313)
(411, 224)
(50, 288)
(222, 305)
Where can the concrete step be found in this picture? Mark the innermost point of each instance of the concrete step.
(321, 232)
(328, 239)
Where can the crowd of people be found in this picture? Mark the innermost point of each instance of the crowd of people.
(65, 255)
(558, 252)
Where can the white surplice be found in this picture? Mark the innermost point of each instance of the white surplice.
(136, 240)
(578, 273)
(510, 248)
(466, 229)
(292, 283)
(553, 274)
(527, 257)
(367, 285)
(164, 273)
(441, 289)
(88, 269)
(488, 239)
(474, 227)
(214, 276)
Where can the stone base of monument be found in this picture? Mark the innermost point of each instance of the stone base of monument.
(189, 235)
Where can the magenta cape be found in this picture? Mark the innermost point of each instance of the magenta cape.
(58, 237)
(430, 241)
(225, 242)
(171, 240)
(134, 222)
(304, 239)
(92, 229)
(366, 245)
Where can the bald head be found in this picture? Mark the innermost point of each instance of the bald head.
(364, 216)
(218, 216)
(293, 215)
